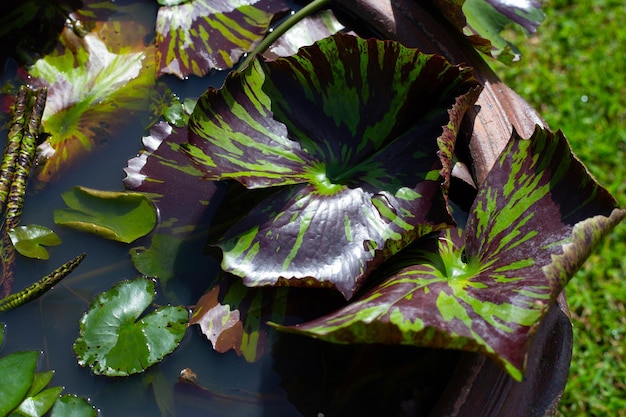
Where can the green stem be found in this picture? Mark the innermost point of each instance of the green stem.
(40, 287)
(273, 36)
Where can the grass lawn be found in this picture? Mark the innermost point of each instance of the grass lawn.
(574, 72)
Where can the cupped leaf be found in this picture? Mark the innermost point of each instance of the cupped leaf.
(113, 341)
(30, 240)
(363, 167)
(117, 215)
(484, 20)
(200, 35)
(18, 371)
(535, 220)
(73, 406)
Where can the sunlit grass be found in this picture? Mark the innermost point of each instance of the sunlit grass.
(574, 73)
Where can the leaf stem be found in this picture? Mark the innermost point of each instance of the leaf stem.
(273, 36)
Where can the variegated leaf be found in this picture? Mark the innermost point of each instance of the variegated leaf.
(92, 93)
(360, 134)
(200, 35)
(181, 196)
(535, 220)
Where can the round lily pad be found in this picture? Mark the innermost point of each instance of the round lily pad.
(114, 342)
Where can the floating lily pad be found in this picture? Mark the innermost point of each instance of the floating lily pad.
(30, 240)
(73, 406)
(113, 340)
(117, 215)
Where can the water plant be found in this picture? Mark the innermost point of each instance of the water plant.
(322, 173)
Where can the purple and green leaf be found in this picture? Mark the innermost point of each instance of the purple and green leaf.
(200, 35)
(356, 135)
(535, 220)
(181, 195)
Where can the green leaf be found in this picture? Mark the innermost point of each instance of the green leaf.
(351, 189)
(121, 216)
(483, 21)
(40, 381)
(233, 27)
(18, 371)
(114, 342)
(73, 406)
(535, 220)
(39, 404)
(30, 240)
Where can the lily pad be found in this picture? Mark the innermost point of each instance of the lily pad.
(30, 240)
(73, 406)
(113, 341)
(359, 172)
(535, 220)
(117, 215)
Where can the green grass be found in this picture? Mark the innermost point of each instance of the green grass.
(574, 73)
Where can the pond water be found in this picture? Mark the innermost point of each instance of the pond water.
(296, 377)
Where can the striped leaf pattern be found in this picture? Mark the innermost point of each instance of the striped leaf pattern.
(356, 134)
(94, 89)
(535, 220)
(198, 36)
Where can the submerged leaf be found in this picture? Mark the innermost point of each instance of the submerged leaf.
(535, 220)
(367, 169)
(200, 35)
(94, 89)
(117, 215)
(114, 342)
(30, 240)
